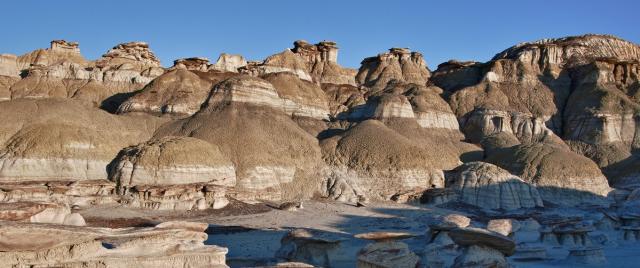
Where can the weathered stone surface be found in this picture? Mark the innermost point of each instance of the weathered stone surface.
(561, 176)
(387, 162)
(387, 255)
(167, 245)
(300, 98)
(504, 227)
(39, 212)
(398, 64)
(136, 54)
(322, 61)
(308, 246)
(587, 256)
(229, 63)
(63, 139)
(481, 256)
(490, 187)
(474, 236)
(384, 236)
(170, 161)
(181, 91)
(580, 88)
(244, 118)
(62, 72)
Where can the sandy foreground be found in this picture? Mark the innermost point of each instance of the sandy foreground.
(252, 232)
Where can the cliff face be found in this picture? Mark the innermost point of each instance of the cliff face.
(581, 89)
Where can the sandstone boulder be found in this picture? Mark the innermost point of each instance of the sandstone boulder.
(480, 237)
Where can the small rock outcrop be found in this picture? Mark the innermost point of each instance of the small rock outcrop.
(398, 64)
(489, 187)
(387, 255)
(560, 175)
(137, 54)
(170, 161)
(314, 63)
(180, 92)
(312, 247)
(165, 245)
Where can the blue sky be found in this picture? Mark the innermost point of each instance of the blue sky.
(441, 30)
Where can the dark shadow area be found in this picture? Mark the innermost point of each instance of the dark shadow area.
(112, 103)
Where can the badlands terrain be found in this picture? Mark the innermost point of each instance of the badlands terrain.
(527, 160)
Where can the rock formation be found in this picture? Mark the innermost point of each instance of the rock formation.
(246, 119)
(398, 64)
(180, 91)
(228, 63)
(54, 139)
(62, 72)
(560, 175)
(490, 187)
(518, 144)
(315, 63)
(168, 244)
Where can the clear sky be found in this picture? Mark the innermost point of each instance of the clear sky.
(441, 30)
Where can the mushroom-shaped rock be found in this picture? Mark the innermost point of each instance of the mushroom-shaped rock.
(384, 236)
(475, 236)
(192, 64)
(490, 187)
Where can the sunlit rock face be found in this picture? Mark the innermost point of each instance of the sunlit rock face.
(398, 64)
(137, 54)
(248, 121)
(169, 244)
(381, 159)
(62, 72)
(314, 63)
(322, 63)
(63, 139)
(229, 63)
(172, 160)
(180, 91)
(580, 89)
